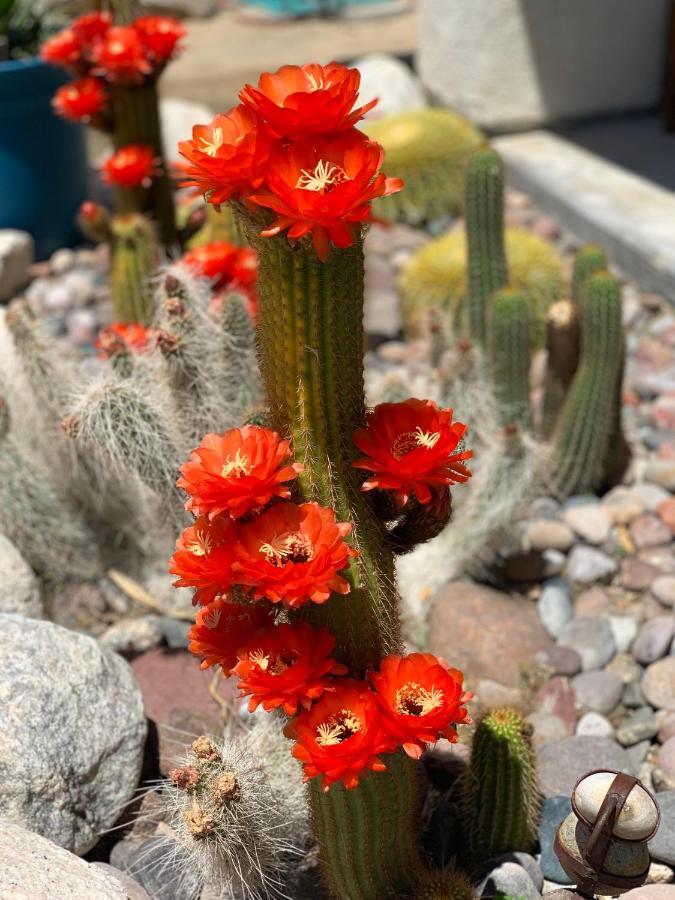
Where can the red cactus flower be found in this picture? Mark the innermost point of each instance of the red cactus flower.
(228, 157)
(288, 666)
(411, 448)
(304, 101)
(228, 266)
(420, 699)
(120, 56)
(291, 554)
(80, 100)
(131, 166)
(340, 736)
(63, 49)
(221, 628)
(160, 35)
(121, 337)
(324, 186)
(203, 558)
(90, 28)
(237, 472)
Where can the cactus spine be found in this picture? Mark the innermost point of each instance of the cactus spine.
(509, 345)
(133, 259)
(445, 885)
(484, 213)
(588, 420)
(499, 792)
(310, 341)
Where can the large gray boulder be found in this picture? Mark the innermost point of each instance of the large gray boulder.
(72, 732)
(34, 868)
(19, 588)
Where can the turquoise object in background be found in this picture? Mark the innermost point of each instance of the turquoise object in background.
(306, 7)
(43, 163)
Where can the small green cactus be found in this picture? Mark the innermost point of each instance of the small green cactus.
(436, 277)
(562, 346)
(445, 884)
(486, 255)
(428, 149)
(133, 260)
(509, 354)
(499, 792)
(588, 260)
(590, 417)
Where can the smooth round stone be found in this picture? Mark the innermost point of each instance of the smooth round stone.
(594, 601)
(590, 521)
(555, 606)
(586, 565)
(662, 845)
(562, 763)
(658, 683)
(546, 727)
(598, 691)
(624, 629)
(594, 724)
(548, 534)
(623, 505)
(649, 531)
(665, 758)
(663, 588)
(622, 860)
(637, 819)
(653, 640)
(651, 494)
(593, 640)
(562, 660)
(639, 726)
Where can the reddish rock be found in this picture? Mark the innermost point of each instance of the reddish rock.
(561, 660)
(637, 575)
(557, 698)
(593, 602)
(666, 512)
(666, 722)
(665, 758)
(486, 633)
(649, 531)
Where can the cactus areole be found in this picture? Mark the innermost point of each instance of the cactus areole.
(287, 523)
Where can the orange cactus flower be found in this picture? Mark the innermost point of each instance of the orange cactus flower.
(63, 49)
(121, 56)
(287, 666)
(237, 472)
(412, 448)
(420, 699)
(160, 35)
(80, 100)
(123, 337)
(91, 27)
(228, 266)
(221, 628)
(228, 157)
(292, 554)
(324, 187)
(341, 735)
(131, 166)
(203, 559)
(304, 101)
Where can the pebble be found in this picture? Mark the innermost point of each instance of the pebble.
(544, 508)
(129, 637)
(588, 564)
(595, 725)
(548, 534)
(637, 575)
(510, 879)
(553, 811)
(593, 640)
(633, 698)
(62, 261)
(557, 697)
(658, 683)
(593, 601)
(527, 862)
(662, 845)
(19, 588)
(591, 522)
(659, 873)
(666, 723)
(663, 781)
(649, 531)
(636, 821)
(623, 505)
(653, 640)
(626, 668)
(555, 606)
(651, 892)
(561, 660)
(624, 631)
(599, 691)
(665, 758)
(491, 693)
(663, 588)
(661, 472)
(652, 495)
(639, 726)
(546, 727)
(637, 754)
(562, 763)
(666, 512)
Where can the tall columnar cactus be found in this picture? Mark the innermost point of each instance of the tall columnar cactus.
(484, 216)
(562, 346)
(499, 793)
(588, 260)
(588, 420)
(134, 256)
(509, 352)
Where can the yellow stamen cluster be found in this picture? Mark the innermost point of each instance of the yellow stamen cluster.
(275, 665)
(296, 547)
(414, 700)
(201, 545)
(235, 468)
(211, 147)
(427, 439)
(338, 729)
(411, 440)
(324, 175)
(211, 618)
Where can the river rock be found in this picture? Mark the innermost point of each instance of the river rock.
(586, 565)
(394, 84)
(624, 631)
(590, 521)
(17, 252)
(649, 531)
(637, 574)
(595, 725)
(562, 763)
(653, 640)
(72, 732)
(662, 845)
(561, 660)
(599, 691)
(553, 811)
(623, 505)
(665, 758)
(658, 683)
(592, 639)
(663, 588)
(19, 588)
(637, 819)
(548, 534)
(511, 880)
(638, 726)
(555, 606)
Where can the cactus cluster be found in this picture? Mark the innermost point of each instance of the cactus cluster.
(428, 149)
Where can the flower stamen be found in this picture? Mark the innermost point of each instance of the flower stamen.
(235, 468)
(212, 146)
(338, 729)
(202, 545)
(324, 176)
(414, 700)
(427, 439)
(296, 548)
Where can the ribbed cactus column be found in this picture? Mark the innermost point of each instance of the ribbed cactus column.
(484, 214)
(311, 356)
(134, 256)
(589, 259)
(509, 343)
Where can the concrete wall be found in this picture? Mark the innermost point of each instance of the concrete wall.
(511, 64)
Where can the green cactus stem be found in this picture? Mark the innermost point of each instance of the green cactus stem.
(590, 416)
(484, 215)
(310, 341)
(499, 792)
(135, 111)
(509, 349)
(562, 345)
(588, 260)
(133, 259)
(445, 885)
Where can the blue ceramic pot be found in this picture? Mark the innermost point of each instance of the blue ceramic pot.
(43, 165)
